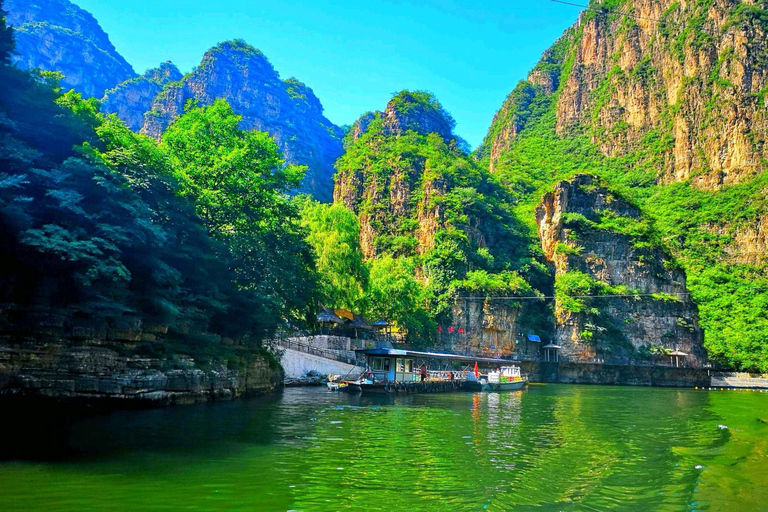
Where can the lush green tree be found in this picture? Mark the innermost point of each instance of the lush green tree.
(334, 233)
(396, 294)
(240, 186)
(7, 43)
(94, 222)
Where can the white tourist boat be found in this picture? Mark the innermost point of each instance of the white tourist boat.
(506, 378)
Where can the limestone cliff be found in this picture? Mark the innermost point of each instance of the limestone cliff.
(667, 102)
(131, 99)
(287, 109)
(600, 245)
(488, 327)
(419, 196)
(684, 81)
(53, 353)
(57, 35)
(391, 186)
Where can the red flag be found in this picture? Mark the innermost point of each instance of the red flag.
(477, 373)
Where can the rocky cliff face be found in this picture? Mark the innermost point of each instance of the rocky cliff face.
(420, 197)
(748, 243)
(489, 327)
(686, 81)
(384, 189)
(54, 354)
(601, 245)
(665, 101)
(287, 109)
(131, 99)
(56, 35)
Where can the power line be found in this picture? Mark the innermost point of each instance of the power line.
(625, 13)
(543, 297)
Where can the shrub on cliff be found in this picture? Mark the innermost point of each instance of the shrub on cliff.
(92, 218)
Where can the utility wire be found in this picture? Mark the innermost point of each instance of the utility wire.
(542, 297)
(625, 13)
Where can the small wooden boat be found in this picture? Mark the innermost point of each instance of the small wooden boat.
(506, 378)
(336, 386)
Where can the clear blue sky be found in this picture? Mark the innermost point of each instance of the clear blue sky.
(355, 54)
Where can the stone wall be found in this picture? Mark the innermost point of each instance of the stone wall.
(105, 375)
(61, 353)
(614, 374)
(329, 342)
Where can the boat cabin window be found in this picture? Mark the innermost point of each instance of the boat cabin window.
(380, 363)
(404, 365)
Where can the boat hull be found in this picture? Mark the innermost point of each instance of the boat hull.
(404, 387)
(501, 386)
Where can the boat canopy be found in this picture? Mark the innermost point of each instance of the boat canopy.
(432, 355)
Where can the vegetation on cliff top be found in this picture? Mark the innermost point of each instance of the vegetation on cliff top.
(439, 226)
(56, 35)
(196, 234)
(699, 226)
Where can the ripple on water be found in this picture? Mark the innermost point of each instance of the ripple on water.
(550, 448)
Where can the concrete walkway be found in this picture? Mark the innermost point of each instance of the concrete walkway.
(739, 380)
(296, 364)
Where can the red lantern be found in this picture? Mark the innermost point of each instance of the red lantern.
(450, 330)
(461, 330)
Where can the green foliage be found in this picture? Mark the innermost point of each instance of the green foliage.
(505, 283)
(573, 288)
(696, 226)
(239, 185)
(93, 219)
(7, 42)
(295, 89)
(395, 294)
(238, 46)
(562, 248)
(639, 230)
(105, 223)
(665, 297)
(748, 13)
(422, 102)
(333, 232)
(515, 112)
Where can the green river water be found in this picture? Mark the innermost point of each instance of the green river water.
(551, 447)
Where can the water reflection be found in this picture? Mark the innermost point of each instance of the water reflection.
(547, 448)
